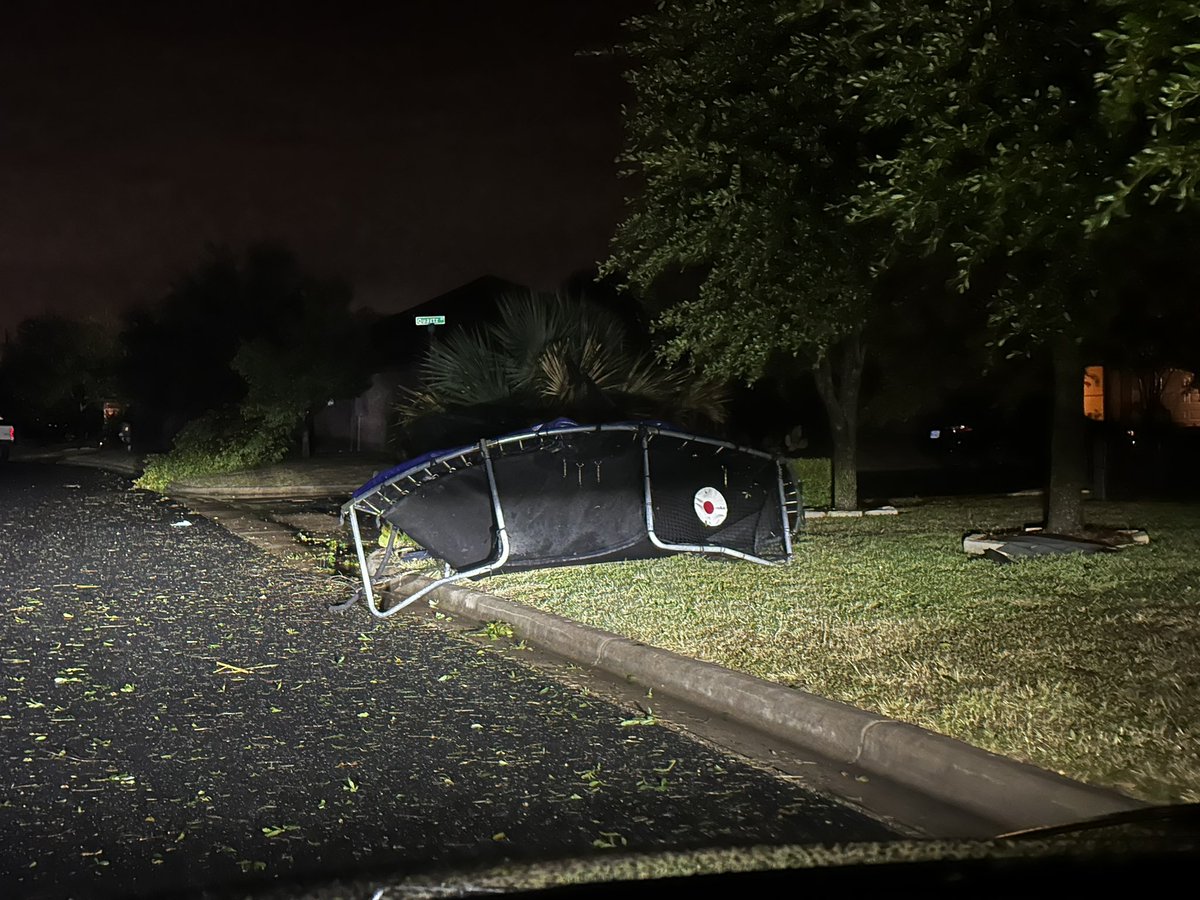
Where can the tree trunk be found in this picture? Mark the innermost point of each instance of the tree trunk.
(845, 466)
(1064, 500)
(306, 429)
(839, 377)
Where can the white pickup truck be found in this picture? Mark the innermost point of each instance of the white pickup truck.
(8, 436)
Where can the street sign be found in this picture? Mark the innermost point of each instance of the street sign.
(431, 320)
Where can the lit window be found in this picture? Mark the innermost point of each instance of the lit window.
(1093, 392)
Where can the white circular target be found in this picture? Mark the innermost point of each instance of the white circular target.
(711, 508)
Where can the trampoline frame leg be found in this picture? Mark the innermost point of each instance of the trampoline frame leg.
(499, 558)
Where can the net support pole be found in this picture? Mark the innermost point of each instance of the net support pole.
(787, 526)
(499, 558)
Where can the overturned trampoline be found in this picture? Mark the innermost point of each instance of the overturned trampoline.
(564, 494)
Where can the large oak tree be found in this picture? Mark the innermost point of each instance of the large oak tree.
(1033, 139)
(742, 148)
(1035, 146)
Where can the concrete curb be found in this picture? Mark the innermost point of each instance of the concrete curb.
(88, 457)
(1014, 795)
(132, 470)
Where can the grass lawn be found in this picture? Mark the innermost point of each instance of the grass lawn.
(1089, 666)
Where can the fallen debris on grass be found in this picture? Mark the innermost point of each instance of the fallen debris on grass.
(1007, 548)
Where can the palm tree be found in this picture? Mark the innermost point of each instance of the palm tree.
(550, 355)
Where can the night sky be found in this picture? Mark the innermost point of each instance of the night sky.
(408, 150)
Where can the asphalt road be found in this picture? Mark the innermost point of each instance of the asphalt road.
(178, 709)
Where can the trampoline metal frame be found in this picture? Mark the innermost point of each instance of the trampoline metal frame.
(502, 549)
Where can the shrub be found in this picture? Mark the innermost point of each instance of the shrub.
(220, 441)
(816, 479)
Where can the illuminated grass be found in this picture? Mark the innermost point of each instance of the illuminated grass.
(1086, 665)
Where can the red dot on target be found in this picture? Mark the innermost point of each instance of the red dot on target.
(708, 507)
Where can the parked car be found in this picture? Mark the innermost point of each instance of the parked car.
(8, 437)
(955, 441)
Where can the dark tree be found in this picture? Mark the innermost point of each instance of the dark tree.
(177, 354)
(56, 372)
(1013, 127)
(254, 331)
(742, 149)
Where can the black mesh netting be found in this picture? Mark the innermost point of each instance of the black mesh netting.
(747, 485)
(579, 498)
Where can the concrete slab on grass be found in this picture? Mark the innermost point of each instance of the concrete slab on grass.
(850, 513)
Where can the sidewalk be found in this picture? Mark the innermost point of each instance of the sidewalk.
(333, 476)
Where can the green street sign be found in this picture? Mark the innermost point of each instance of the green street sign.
(431, 320)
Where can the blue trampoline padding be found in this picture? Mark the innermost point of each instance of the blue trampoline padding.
(418, 462)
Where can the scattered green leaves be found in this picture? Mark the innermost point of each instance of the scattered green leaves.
(609, 840)
(648, 719)
(274, 831)
(591, 777)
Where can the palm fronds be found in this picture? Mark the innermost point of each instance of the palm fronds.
(557, 355)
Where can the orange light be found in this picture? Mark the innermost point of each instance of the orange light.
(1093, 392)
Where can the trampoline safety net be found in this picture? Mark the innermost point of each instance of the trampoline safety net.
(567, 494)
